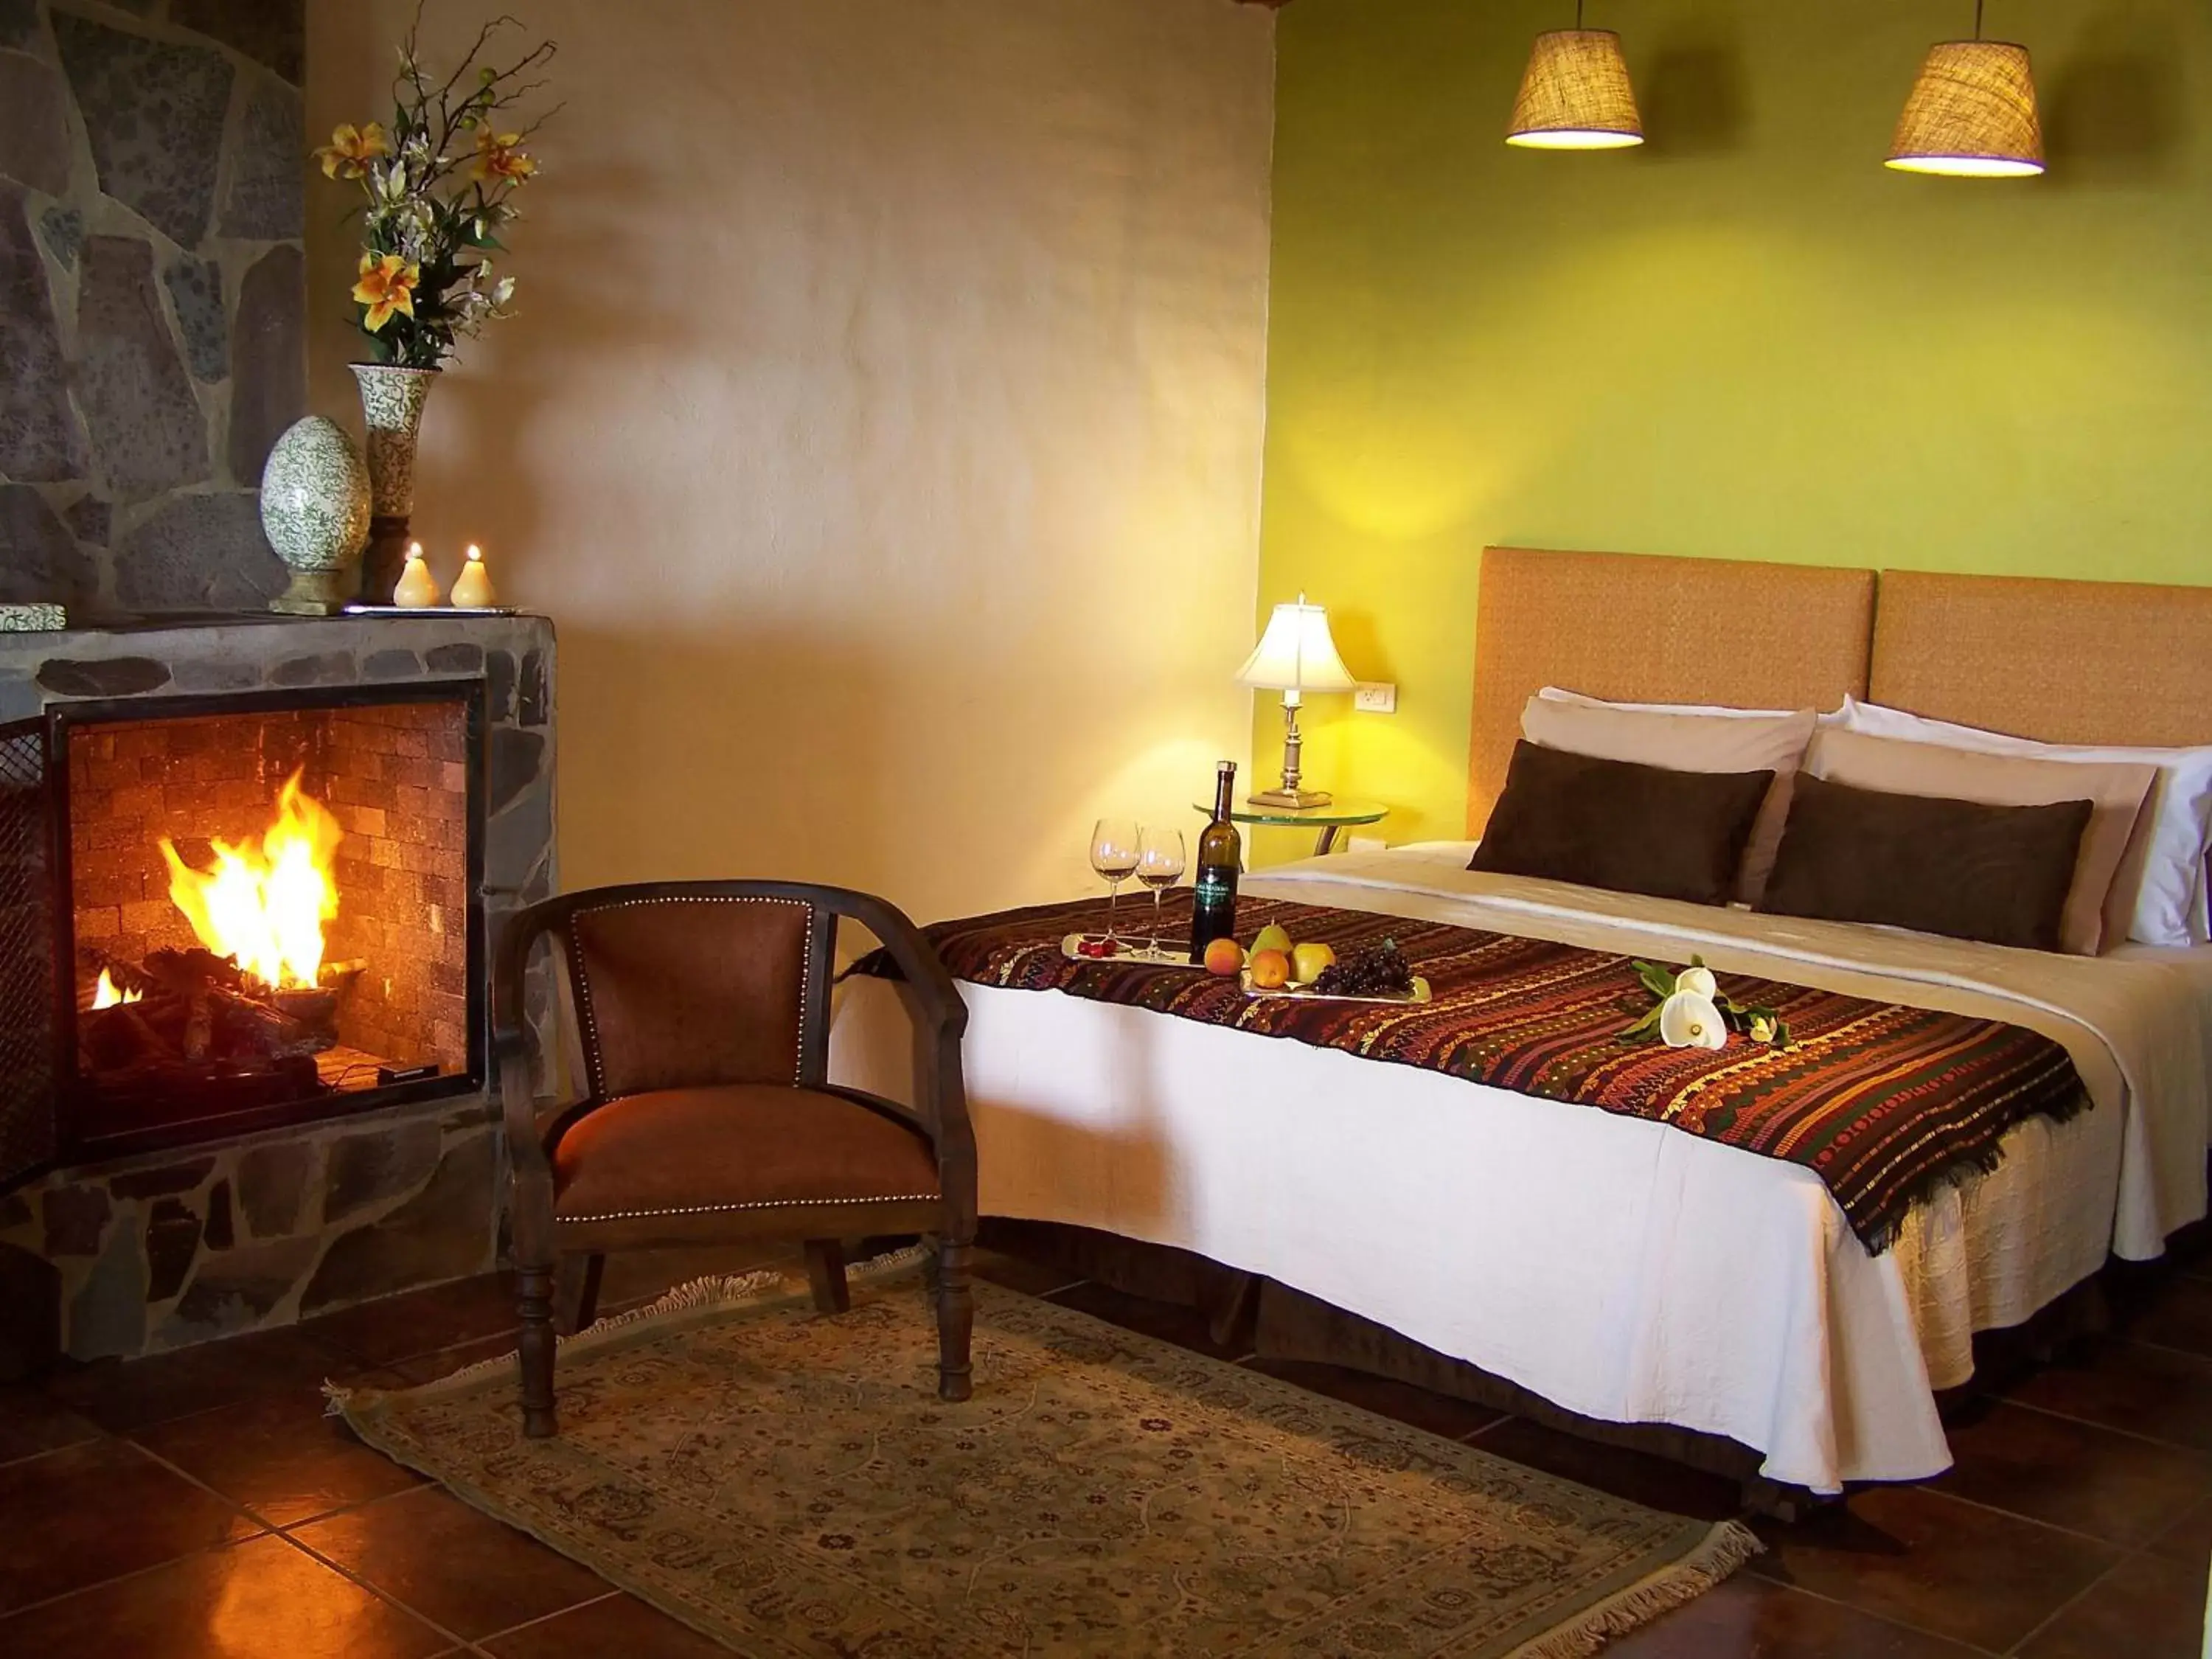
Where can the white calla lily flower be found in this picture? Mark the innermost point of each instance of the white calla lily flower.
(1689, 1020)
(1698, 982)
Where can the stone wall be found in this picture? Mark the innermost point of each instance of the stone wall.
(168, 1248)
(152, 297)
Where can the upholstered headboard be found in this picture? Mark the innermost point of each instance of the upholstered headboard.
(1639, 629)
(2057, 661)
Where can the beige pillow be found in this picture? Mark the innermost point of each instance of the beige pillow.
(2099, 902)
(1682, 741)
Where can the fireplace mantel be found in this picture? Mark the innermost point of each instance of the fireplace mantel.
(161, 1249)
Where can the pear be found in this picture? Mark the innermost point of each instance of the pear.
(1271, 938)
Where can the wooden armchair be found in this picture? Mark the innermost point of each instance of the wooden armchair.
(704, 1013)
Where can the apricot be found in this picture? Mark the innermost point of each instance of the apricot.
(1225, 957)
(1271, 970)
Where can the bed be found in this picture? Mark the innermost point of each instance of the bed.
(1625, 1271)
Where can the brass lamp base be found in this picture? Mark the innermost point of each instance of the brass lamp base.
(1295, 799)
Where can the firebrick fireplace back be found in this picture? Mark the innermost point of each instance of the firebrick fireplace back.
(268, 908)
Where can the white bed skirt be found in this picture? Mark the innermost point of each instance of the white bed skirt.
(1621, 1269)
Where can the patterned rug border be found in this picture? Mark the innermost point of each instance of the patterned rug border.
(1704, 1563)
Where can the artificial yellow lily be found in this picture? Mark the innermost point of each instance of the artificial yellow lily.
(352, 148)
(387, 285)
(499, 159)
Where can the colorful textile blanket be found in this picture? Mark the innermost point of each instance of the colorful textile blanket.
(1885, 1104)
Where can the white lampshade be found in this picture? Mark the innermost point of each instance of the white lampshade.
(1297, 654)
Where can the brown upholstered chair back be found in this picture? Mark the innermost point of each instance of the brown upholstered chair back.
(688, 992)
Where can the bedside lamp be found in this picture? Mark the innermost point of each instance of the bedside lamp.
(1295, 656)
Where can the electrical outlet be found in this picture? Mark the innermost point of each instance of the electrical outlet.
(1371, 698)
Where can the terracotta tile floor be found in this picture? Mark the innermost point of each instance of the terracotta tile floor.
(199, 1504)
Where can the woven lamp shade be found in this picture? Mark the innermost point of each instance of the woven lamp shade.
(1576, 95)
(1972, 114)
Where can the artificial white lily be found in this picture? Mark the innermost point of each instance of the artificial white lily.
(1689, 1020)
(1698, 981)
(1763, 1029)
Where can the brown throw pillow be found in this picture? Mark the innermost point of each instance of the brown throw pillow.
(1622, 826)
(1998, 874)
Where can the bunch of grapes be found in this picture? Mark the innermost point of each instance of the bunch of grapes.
(1378, 972)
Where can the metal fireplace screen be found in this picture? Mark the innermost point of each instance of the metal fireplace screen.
(27, 1119)
(267, 910)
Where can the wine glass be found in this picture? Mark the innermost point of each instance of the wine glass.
(1113, 855)
(1159, 866)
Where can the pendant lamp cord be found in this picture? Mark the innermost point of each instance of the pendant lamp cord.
(1578, 13)
(1977, 16)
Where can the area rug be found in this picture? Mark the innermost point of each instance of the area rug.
(790, 1484)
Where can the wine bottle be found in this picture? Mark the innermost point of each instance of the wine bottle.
(1220, 860)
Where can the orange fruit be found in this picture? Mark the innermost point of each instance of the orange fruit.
(1225, 957)
(1271, 970)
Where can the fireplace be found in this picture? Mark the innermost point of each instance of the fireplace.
(238, 1133)
(267, 910)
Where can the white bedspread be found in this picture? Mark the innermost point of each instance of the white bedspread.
(1622, 1269)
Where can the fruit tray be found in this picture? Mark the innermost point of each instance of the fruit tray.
(1137, 955)
(1298, 992)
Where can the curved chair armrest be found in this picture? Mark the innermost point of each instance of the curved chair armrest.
(943, 1105)
(519, 1102)
(932, 983)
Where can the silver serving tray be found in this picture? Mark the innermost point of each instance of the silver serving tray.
(1303, 991)
(1134, 955)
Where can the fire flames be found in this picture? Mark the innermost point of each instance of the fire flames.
(105, 995)
(265, 907)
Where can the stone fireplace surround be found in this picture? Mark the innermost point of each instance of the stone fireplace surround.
(163, 1249)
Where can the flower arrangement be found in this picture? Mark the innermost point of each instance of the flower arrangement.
(440, 186)
(1691, 1012)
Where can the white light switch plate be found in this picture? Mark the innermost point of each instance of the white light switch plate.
(1372, 698)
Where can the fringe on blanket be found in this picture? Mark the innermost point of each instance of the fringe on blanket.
(1881, 1231)
(711, 1294)
(1725, 1548)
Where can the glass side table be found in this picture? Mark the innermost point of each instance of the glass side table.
(1331, 820)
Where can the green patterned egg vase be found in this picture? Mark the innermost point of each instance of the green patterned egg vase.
(391, 398)
(314, 510)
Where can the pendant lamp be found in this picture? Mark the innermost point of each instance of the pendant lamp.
(1576, 93)
(1972, 114)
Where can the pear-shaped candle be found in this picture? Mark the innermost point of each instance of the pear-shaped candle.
(472, 587)
(418, 588)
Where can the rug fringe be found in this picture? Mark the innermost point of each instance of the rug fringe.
(712, 1293)
(1719, 1553)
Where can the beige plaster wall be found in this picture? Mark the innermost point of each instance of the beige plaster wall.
(882, 423)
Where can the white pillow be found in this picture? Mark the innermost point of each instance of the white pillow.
(2171, 907)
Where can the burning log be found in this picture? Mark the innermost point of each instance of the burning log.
(194, 1019)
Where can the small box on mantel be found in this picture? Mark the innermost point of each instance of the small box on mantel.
(33, 619)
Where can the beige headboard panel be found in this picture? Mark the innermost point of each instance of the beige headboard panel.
(2057, 661)
(1639, 628)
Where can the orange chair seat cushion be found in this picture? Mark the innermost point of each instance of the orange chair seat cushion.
(735, 1148)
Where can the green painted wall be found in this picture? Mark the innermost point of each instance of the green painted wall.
(1748, 340)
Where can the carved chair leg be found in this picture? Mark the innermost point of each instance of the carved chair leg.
(825, 1271)
(955, 1319)
(535, 1351)
(576, 1293)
